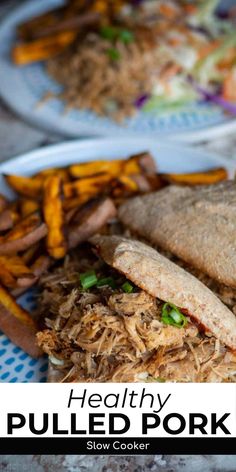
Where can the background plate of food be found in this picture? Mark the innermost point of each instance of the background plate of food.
(88, 69)
(74, 193)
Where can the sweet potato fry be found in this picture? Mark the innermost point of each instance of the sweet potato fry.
(17, 324)
(134, 165)
(15, 265)
(146, 162)
(30, 28)
(23, 227)
(90, 185)
(28, 206)
(114, 168)
(73, 205)
(54, 218)
(143, 183)
(72, 23)
(125, 186)
(43, 48)
(76, 202)
(40, 265)
(24, 242)
(27, 280)
(3, 202)
(156, 181)
(17, 311)
(91, 219)
(129, 185)
(29, 255)
(197, 178)
(6, 277)
(60, 19)
(25, 233)
(27, 186)
(62, 172)
(8, 218)
(12, 269)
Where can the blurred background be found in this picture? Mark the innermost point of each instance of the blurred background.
(17, 136)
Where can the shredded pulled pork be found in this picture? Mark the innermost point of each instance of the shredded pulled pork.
(106, 335)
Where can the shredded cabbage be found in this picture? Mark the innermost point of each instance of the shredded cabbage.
(205, 69)
(181, 94)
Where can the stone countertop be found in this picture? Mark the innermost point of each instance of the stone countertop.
(17, 137)
(72, 463)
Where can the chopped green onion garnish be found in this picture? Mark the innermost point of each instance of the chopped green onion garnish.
(112, 34)
(114, 54)
(158, 379)
(88, 279)
(127, 287)
(106, 281)
(109, 32)
(171, 315)
(155, 379)
(126, 36)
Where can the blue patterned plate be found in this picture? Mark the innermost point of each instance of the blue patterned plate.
(192, 123)
(15, 365)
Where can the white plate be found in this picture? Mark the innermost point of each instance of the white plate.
(23, 88)
(15, 365)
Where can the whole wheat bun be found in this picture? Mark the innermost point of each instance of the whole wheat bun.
(197, 224)
(163, 279)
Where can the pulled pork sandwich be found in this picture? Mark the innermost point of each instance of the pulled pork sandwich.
(196, 226)
(122, 312)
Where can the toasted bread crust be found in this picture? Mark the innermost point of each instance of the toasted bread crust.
(196, 224)
(163, 279)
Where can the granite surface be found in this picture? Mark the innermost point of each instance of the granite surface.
(17, 137)
(117, 464)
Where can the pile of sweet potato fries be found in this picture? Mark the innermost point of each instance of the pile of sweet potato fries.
(57, 209)
(51, 33)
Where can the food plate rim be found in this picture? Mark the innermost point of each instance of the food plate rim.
(54, 150)
(75, 151)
